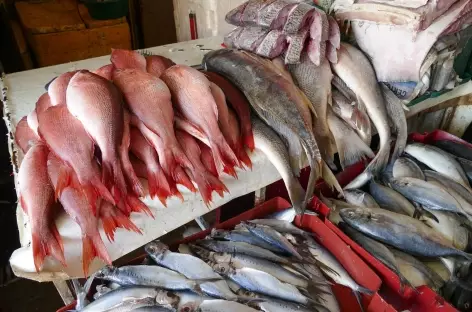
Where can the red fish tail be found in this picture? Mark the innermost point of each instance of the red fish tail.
(158, 185)
(173, 189)
(124, 222)
(63, 181)
(47, 245)
(207, 159)
(181, 159)
(101, 190)
(124, 207)
(223, 155)
(112, 174)
(207, 183)
(93, 246)
(180, 177)
(133, 180)
(230, 171)
(243, 156)
(137, 205)
(109, 227)
(248, 140)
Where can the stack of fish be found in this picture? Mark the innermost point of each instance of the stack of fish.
(431, 183)
(265, 264)
(412, 44)
(93, 135)
(274, 27)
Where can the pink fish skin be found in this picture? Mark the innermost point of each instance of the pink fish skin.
(158, 185)
(206, 182)
(127, 59)
(105, 71)
(207, 159)
(43, 103)
(150, 100)
(239, 103)
(37, 201)
(235, 141)
(67, 139)
(113, 218)
(57, 89)
(24, 135)
(192, 97)
(97, 103)
(128, 170)
(178, 175)
(77, 207)
(156, 64)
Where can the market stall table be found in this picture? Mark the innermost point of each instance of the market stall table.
(20, 93)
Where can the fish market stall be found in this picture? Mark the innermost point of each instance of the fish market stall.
(21, 91)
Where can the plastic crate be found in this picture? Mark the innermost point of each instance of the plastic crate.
(358, 269)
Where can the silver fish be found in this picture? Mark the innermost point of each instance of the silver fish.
(261, 282)
(462, 191)
(272, 237)
(407, 168)
(244, 236)
(130, 298)
(360, 198)
(438, 160)
(417, 272)
(243, 248)
(146, 275)
(274, 305)
(271, 145)
(351, 148)
(223, 306)
(355, 70)
(390, 199)
(450, 226)
(281, 226)
(400, 231)
(354, 116)
(398, 118)
(335, 206)
(427, 194)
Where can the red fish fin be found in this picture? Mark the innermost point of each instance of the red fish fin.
(223, 155)
(44, 246)
(124, 222)
(109, 227)
(124, 207)
(158, 185)
(243, 156)
(63, 181)
(137, 205)
(102, 191)
(207, 184)
(180, 177)
(173, 189)
(93, 247)
(112, 174)
(249, 141)
(131, 176)
(231, 171)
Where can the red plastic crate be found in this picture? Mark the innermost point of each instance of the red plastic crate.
(358, 269)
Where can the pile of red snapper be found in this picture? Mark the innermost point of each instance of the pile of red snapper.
(93, 135)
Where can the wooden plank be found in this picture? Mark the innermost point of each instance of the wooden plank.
(50, 16)
(93, 23)
(63, 47)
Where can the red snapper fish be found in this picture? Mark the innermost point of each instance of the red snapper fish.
(105, 71)
(58, 87)
(156, 64)
(37, 201)
(24, 135)
(127, 59)
(113, 218)
(43, 103)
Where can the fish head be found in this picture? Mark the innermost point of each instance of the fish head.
(291, 238)
(200, 251)
(106, 271)
(221, 257)
(222, 268)
(156, 248)
(167, 298)
(191, 306)
(356, 215)
(218, 234)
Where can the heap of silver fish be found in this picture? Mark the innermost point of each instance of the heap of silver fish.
(416, 216)
(265, 264)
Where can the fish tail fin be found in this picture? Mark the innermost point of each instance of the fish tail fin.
(352, 149)
(63, 181)
(230, 171)
(207, 184)
(47, 245)
(131, 176)
(158, 185)
(316, 288)
(330, 179)
(136, 205)
(297, 195)
(243, 156)
(112, 174)
(223, 154)
(315, 174)
(359, 301)
(93, 246)
(96, 188)
(117, 220)
(380, 161)
(248, 140)
(180, 177)
(173, 189)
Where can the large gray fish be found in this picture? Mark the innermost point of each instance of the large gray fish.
(262, 282)
(243, 236)
(277, 101)
(223, 306)
(407, 168)
(464, 192)
(243, 248)
(427, 194)
(271, 145)
(355, 70)
(417, 272)
(466, 166)
(375, 248)
(390, 199)
(130, 298)
(315, 82)
(400, 231)
(336, 205)
(360, 198)
(272, 237)
(351, 148)
(281, 226)
(353, 115)
(438, 160)
(398, 118)
(146, 275)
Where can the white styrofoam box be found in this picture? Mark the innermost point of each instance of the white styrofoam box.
(210, 17)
